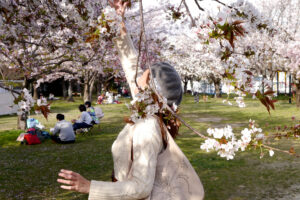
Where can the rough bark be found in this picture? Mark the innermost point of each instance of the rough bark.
(217, 84)
(70, 91)
(21, 124)
(25, 82)
(35, 91)
(263, 83)
(64, 88)
(192, 85)
(99, 84)
(298, 95)
(89, 82)
(185, 83)
(86, 91)
(92, 84)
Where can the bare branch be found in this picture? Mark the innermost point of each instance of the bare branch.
(142, 32)
(9, 89)
(189, 13)
(200, 8)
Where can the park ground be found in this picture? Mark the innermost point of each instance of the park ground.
(30, 172)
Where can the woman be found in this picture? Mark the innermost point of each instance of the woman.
(147, 162)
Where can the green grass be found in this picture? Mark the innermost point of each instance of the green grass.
(30, 172)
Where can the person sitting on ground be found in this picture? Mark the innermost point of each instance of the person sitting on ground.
(63, 132)
(100, 99)
(91, 111)
(42, 101)
(85, 120)
(110, 97)
(51, 96)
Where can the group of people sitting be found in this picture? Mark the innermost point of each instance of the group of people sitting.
(64, 131)
(109, 98)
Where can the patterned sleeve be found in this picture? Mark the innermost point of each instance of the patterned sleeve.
(128, 57)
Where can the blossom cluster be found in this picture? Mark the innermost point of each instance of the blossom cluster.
(146, 104)
(109, 22)
(225, 142)
(143, 105)
(26, 102)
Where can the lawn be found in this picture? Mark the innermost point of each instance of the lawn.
(30, 172)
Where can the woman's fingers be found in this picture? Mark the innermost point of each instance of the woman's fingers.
(67, 176)
(67, 171)
(73, 181)
(68, 182)
(66, 187)
(124, 6)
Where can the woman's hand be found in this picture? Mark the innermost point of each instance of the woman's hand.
(74, 181)
(119, 6)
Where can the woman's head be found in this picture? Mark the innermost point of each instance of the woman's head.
(166, 80)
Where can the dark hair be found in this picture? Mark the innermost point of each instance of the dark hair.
(167, 120)
(60, 117)
(88, 103)
(82, 107)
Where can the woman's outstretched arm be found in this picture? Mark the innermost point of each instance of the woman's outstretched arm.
(128, 57)
(126, 50)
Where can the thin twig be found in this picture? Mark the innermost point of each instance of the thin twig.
(200, 8)
(280, 150)
(180, 4)
(9, 89)
(189, 13)
(140, 42)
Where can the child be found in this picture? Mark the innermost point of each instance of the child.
(85, 120)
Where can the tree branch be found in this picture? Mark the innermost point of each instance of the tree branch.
(140, 41)
(189, 13)
(200, 8)
(9, 89)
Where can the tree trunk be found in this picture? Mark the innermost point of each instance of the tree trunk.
(35, 91)
(298, 95)
(99, 84)
(192, 86)
(70, 91)
(185, 83)
(272, 80)
(86, 93)
(217, 84)
(277, 83)
(92, 84)
(64, 88)
(25, 82)
(21, 124)
(263, 83)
